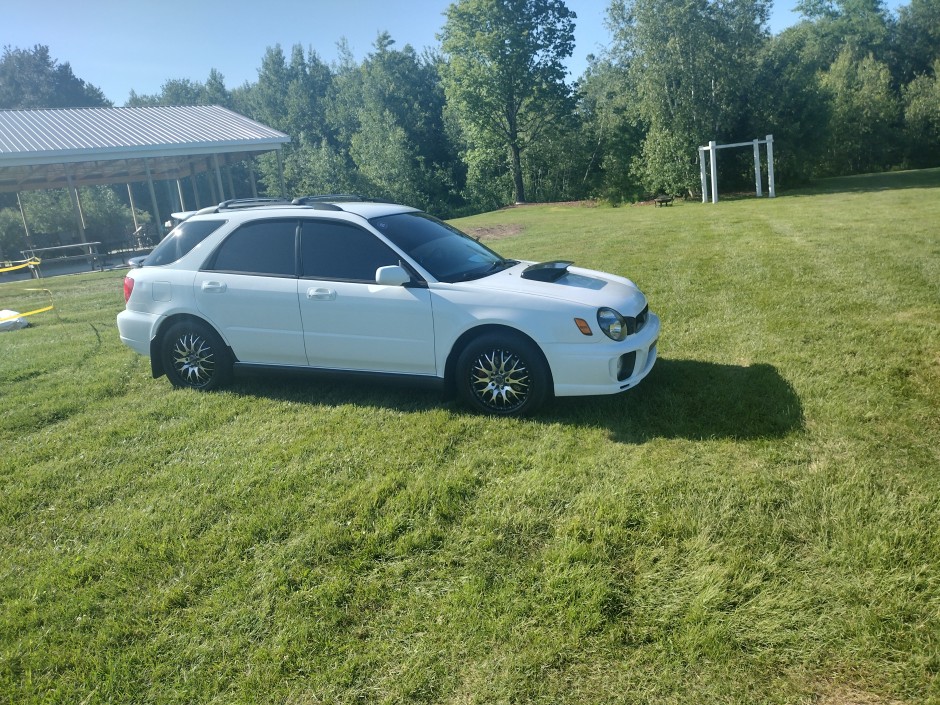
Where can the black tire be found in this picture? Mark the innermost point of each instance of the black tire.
(195, 357)
(502, 375)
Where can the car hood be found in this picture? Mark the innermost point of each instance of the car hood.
(576, 284)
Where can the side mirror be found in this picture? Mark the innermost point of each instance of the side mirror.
(392, 275)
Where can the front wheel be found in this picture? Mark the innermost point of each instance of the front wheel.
(503, 375)
(194, 356)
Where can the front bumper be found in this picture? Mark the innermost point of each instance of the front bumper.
(611, 367)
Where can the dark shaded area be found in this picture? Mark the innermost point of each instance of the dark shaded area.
(403, 394)
(864, 183)
(680, 399)
(694, 400)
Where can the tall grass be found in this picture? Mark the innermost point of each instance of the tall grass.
(756, 522)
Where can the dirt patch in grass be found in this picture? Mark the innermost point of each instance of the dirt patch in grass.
(589, 203)
(494, 232)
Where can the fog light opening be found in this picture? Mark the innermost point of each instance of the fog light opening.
(625, 366)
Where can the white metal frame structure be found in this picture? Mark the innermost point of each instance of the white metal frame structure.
(712, 149)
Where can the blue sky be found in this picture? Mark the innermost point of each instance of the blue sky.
(119, 45)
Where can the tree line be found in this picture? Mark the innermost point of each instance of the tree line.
(487, 117)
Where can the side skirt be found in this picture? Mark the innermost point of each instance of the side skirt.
(429, 382)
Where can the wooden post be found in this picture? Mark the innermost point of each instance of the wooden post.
(77, 206)
(770, 166)
(757, 180)
(251, 175)
(23, 216)
(228, 177)
(213, 189)
(195, 185)
(130, 197)
(218, 176)
(280, 173)
(713, 149)
(170, 196)
(153, 199)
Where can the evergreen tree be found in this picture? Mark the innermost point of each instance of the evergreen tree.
(30, 79)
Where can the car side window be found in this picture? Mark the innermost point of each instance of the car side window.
(264, 247)
(183, 238)
(336, 250)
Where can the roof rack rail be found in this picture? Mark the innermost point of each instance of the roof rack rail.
(317, 206)
(253, 203)
(329, 198)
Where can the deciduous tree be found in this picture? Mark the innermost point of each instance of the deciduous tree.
(917, 39)
(922, 118)
(691, 64)
(865, 115)
(789, 102)
(504, 75)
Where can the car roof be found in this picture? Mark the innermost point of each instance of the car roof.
(370, 210)
(322, 205)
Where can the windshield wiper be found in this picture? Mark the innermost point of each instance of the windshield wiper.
(497, 266)
(500, 266)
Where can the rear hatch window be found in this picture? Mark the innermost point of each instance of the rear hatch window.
(181, 240)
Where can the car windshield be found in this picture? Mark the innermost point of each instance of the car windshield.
(446, 253)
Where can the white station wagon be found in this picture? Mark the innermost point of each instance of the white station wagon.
(341, 284)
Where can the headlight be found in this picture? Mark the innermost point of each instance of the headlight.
(612, 323)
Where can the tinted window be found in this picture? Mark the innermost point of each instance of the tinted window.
(181, 240)
(263, 247)
(334, 250)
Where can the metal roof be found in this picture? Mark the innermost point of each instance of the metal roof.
(50, 148)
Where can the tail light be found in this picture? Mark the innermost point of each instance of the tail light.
(128, 288)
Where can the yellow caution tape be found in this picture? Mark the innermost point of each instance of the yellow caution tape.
(29, 313)
(22, 265)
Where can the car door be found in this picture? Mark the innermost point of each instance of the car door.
(248, 291)
(349, 321)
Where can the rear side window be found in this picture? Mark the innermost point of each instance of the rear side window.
(335, 250)
(265, 247)
(181, 240)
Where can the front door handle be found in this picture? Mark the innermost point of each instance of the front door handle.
(213, 287)
(321, 294)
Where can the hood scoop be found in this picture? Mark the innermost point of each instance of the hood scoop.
(547, 271)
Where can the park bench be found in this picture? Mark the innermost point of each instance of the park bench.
(87, 251)
(662, 201)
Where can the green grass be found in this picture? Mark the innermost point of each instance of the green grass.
(757, 522)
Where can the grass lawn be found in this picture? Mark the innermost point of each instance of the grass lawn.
(757, 522)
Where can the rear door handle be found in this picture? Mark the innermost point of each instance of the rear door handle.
(321, 294)
(213, 287)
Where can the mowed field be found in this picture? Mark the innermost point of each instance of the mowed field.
(757, 522)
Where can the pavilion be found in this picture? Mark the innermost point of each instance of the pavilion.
(76, 147)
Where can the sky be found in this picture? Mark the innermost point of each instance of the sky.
(124, 45)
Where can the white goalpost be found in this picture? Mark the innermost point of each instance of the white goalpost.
(712, 149)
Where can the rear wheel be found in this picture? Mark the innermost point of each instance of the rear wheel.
(194, 356)
(503, 375)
